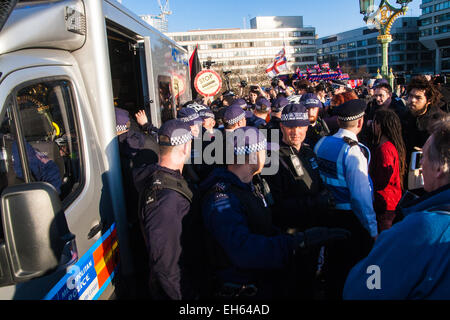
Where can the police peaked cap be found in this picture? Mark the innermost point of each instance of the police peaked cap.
(295, 115)
(279, 103)
(350, 110)
(188, 115)
(176, 130)
(233, 114)
(310, 100)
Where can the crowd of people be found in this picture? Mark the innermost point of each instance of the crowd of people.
(293, 192)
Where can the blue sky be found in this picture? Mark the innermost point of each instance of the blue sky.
(327, 16)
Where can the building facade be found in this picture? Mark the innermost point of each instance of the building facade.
(158, 22)
(359, 50)
(434, 26)
(248, 52)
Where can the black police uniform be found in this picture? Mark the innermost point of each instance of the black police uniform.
(248, 256)
(165, 202)
(316, 132)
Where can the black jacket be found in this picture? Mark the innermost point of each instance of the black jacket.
(296, 198)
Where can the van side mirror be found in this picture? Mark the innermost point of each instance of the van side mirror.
(37, 238)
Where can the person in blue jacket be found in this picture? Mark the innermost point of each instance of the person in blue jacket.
(248, 256)
(412, 259)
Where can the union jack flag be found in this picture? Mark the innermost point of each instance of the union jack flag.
(326, 66)
(279, 64)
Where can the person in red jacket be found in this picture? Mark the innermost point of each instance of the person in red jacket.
(387, 166)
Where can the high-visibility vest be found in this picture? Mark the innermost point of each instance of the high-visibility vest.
(331, 154)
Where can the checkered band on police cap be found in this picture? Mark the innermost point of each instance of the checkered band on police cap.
(248, 140)
(177, 140)
(351, 110)
(177, 131)
(233, 114)
(206, 113)
(295, 115)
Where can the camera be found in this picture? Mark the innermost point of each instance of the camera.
(274, 82)
(440, 80)
(243, 84)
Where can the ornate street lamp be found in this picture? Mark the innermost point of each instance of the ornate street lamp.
(383, 18)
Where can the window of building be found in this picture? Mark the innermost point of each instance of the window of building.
(373, 60)
(412, 36)
(352, 54)
(442, 6)
(426, 21)
(307, 34)
(371, 41)
(351, 45)
(372, 51)
(362, 61)
(362, 52)
(412, 56)
(445, 65)
(427, 10)
(442, 29)
(442, 17)
(445, 53)
(426, 32)
(362, 43)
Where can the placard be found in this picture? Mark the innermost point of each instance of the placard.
(208, 83)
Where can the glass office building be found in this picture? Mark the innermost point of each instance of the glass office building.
(359, 49)
(249, 51)
(434, 27)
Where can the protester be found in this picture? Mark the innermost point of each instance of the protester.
(411, 260)
(387, 166)
(423, 104)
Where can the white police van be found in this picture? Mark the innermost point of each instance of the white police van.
(63, 66)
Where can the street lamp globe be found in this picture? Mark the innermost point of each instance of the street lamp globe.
(403, 2)
(365, 5)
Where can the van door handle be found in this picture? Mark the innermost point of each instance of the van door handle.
(95, 229)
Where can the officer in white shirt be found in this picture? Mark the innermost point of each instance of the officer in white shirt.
(343, 164)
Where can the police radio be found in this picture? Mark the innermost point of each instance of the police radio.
(296, 164)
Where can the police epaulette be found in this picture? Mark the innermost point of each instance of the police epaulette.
(350, 141)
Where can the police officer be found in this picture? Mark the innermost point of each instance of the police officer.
(136, 150)
(248, 255)
(297, 188)
(165, 201)
(299, 194)
(262, 108)
(234, 117)
(317, 126)
(275, 116)
(343, 164)
(193, 170)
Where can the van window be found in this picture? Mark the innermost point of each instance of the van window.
(166, 98)
(46, 125)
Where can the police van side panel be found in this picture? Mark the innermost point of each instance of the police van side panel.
(57, 112)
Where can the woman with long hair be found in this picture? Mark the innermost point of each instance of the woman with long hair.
(388, 165)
